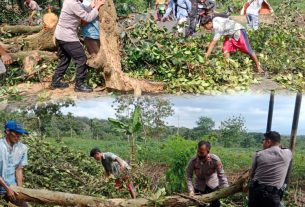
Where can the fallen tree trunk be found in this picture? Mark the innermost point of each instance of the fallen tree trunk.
(68, 199)
(45, 55)
(23, 29)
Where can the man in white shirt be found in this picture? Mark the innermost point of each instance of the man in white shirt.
(252, 13)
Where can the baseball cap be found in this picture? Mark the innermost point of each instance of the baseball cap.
(15, 127)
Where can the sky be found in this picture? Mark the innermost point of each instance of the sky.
(188, 109)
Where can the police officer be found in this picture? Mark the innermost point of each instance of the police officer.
(269, 170)
(209, 172)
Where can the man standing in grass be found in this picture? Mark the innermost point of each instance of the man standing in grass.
(209, 172)
(116, 166)
(13, 157)
(236, 38)
(268, 173)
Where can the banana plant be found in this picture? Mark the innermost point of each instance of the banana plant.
(130, 128)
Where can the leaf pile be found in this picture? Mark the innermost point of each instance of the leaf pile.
(66, 170)
(153, 53)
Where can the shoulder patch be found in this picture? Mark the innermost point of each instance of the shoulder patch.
(214, 157)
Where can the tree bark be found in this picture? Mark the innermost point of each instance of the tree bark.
(68, 199)
(109, 56)
(23, 29)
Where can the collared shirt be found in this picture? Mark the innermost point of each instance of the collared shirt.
(71, 14)
(226, 27)
(270, 166)
(10, 159)
(111, 165)
(33, 6)
(209, 172)
(254, 6)
(183, 8)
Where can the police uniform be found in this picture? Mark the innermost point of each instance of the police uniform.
(269, 170)
(209, 176)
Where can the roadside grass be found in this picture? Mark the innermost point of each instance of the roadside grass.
(160, 152)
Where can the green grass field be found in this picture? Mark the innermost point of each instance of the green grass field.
(159, 152)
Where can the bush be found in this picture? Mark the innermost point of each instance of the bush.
(179, 152)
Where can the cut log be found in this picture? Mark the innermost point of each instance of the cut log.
(68, 199)
(43, 40)
(22, 29)
(32, 58)
(109, 57)
(48, 56)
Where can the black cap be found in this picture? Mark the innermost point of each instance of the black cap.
(94, 151)
(273, 136)
(204, 20)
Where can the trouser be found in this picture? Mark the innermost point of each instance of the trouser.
(192, 20)
(66, 52)
(195, 19)
(263, 196)
(207, 190)
(181, 24)
(253, 21)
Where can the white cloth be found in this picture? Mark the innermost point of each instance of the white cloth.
(226, 27)
(254, 7)
(181, 26)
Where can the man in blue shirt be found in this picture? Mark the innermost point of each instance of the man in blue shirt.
(181, 10)
(91, 31)
(13, 157)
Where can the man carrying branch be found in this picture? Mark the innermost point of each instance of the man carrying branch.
(116, 166)
(13, 157)
(209, 172)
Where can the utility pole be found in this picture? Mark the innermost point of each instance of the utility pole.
(295, 122)
(270, 111)
(294, 129)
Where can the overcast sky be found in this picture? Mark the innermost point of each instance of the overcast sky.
(254, 108)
